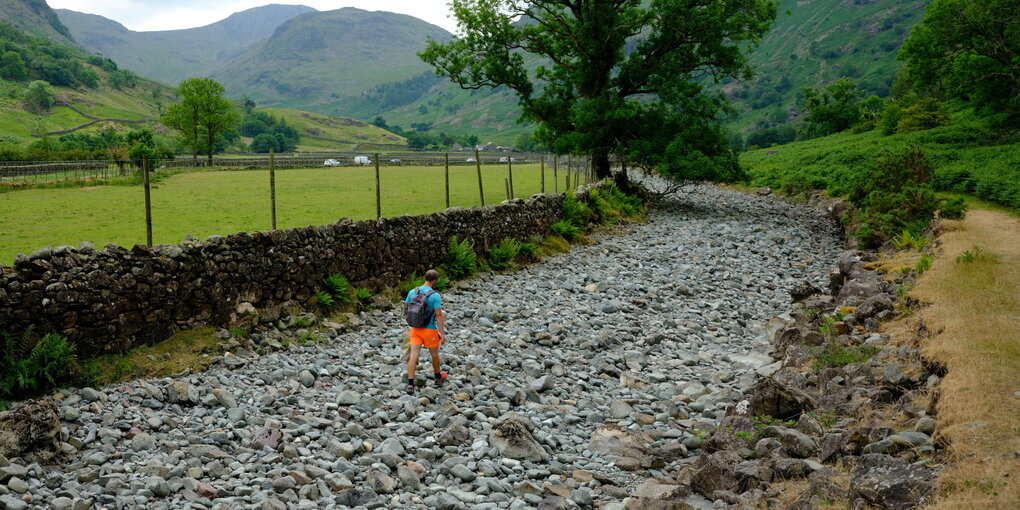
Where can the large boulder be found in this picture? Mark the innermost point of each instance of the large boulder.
(31, 431)
(858, 290)
(716, 472)
(887, 482)
(615, 441)
(511, 436)
(783, 395)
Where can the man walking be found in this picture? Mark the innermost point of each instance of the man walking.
(425, 316)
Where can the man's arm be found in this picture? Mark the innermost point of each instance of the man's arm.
(441, 324)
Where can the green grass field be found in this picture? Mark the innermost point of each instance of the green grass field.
(225, 202)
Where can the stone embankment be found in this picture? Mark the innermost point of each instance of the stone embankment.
(591, 380)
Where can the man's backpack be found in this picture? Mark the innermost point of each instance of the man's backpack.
(419, 314)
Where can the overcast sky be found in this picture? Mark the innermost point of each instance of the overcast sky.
(147, 15)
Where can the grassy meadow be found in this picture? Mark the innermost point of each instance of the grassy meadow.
(205, 203)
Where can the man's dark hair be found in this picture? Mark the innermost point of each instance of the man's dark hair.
(431, 275)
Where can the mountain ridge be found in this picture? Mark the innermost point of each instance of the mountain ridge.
(171, 56)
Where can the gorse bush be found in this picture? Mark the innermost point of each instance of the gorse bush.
(28, 366)
(895, 196)
(461, 260)
(503, 253)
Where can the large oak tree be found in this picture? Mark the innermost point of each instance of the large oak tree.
(603, 77)
(202, 115)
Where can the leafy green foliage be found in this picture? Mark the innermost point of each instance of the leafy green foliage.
(908, 239)
(833, 109)
(968, 49)
(923, 264)
(461, 260)
(325, 299)
(528, 250)
(30, 366)
(268, 131)
(972, 255)
(566, 230)
(501, 255)
(924, 114)
(575, 211)
(338, 287)
(594, 65)
(39, 97)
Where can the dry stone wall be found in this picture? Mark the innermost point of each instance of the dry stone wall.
(111, 299)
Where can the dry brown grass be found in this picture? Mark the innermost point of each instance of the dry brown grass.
(974, 312)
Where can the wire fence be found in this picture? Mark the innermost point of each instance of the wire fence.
(88, 171)
(251, 193)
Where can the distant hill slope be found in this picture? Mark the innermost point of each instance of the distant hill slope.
(34, 17)
(815, 42)
(321, 132)
(318, 60)
(174, 55)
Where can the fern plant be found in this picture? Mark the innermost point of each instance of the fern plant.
(566, 230)
(461, 260)
(339, 288)
(503, 253)
(30, 366)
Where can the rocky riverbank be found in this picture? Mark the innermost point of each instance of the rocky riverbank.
(581, 381)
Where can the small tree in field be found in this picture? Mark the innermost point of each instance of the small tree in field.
(202, 115)
(39, 97)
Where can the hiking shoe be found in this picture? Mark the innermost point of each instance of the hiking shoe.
(411, 389)
(443, 376)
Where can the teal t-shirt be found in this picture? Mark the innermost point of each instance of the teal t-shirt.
(435, 302)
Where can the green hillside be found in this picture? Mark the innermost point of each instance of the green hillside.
(34, 17)
(969, 158)
(173, 55)
(815, 42)
(88, 92)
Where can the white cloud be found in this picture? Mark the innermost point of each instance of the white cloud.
(148, 15)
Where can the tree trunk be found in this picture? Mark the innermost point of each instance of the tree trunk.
(600, 160)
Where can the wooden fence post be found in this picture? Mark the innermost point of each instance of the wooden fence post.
(478, 166)
(148, 201)
(378, 192)
(272, 187)
(506, 182)
(542, 174)
(446, 178)
(510, 176)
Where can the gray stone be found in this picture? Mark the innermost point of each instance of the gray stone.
(511, 436)
(926, 425)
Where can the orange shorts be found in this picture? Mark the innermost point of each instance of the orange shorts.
(424, 336)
